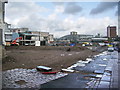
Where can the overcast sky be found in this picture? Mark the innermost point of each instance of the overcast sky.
(60, 18)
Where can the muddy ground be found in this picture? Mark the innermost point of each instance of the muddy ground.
(51, 56)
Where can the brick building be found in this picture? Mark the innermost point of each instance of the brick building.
(111, 31)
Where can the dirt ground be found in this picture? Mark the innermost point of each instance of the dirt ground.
(51, 56)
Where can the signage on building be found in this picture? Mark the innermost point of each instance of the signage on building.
(37, 43)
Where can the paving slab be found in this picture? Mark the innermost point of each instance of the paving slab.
(104, 84)
(114, 80)
(96, 84)
(106, 78)
(0, 67)
(119, 69)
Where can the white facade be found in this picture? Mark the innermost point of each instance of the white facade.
(44, 36)
(19, 29)
(37, 43)
(3, 25)
(108, 32)
(50, 38)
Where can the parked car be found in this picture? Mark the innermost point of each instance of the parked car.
(111, 49)
(118, 49)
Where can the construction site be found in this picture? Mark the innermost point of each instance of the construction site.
(52, 56)
(36, 59)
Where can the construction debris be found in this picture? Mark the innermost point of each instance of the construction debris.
(43, 68)
(67, 70)
(49, 72)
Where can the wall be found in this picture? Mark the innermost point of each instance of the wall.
(119, 19)
(3, 25)
(0, 36)
(1, 13)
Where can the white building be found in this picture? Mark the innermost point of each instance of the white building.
(44, 37)
(3, 25)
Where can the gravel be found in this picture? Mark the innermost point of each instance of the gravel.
(30, 78)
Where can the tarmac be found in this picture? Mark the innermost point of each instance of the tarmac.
(100, 73)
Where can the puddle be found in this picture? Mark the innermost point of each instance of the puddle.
(87, 77)
(21, 82)
(92, 76)
(62, 54)
(77, 52)
(22, 52)
(69, 54)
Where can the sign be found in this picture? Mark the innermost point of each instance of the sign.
(37, 43)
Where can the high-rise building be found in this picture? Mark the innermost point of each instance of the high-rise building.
(111, 31)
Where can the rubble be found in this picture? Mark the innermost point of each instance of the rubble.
(43, 68)
(67, 70)
(31, 77)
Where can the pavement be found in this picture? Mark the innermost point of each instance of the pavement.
(0, 67)
(119, 69)
(101, 72)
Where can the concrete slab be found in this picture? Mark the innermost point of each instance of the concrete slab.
(80, 64)
(107, 73)
(99, 71)
(108, 69)
(104, 65)
(99, 75)
(105, 59)
(85, 61)
(89, 59)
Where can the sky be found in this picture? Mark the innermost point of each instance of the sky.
(60, 18)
